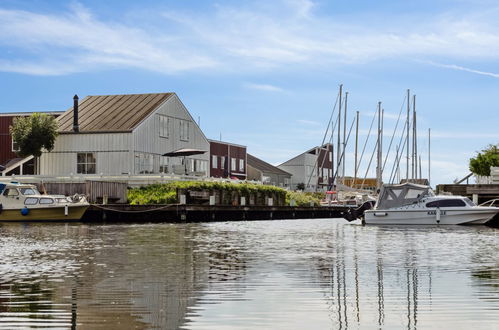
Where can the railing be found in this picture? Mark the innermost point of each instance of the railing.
(131, 180)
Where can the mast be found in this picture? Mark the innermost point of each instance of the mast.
(344, 138)
(429, 164)
(420, 174)
(407, 137)
(338, 150)
(414, 140)
(379, 150)
(356, 149)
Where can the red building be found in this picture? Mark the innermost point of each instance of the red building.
(8, 147)
(227, 160)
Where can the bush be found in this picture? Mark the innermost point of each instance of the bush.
(166, 193)
(303, 198)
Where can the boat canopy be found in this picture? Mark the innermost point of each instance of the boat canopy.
(401, 194)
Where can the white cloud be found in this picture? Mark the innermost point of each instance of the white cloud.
(264, 87)
(76, 41)
(461, 68)
(308, 122)
(260, 35)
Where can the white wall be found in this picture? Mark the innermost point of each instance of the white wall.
(116, 152)
(297, 167)
(146, 137)
(112, 151)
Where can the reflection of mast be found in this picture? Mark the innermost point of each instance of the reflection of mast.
(408, 301)
(355, 258)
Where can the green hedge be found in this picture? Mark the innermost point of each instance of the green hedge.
(166, 193)
(303, 198)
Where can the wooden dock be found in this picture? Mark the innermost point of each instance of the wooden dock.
(205, 213)
(479, 193)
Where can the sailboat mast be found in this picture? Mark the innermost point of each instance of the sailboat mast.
(356, 149)
(378, 156)
(407, 137)
(338, 150)
(415, 135)
(344, 138)
(429, 153)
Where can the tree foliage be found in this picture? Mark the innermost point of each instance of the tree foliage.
(480, 165)
(34, 133)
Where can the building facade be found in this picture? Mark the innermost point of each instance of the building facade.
(8, 147)
(312, 169)
(126, 134)
(227, 160)
(260, 170)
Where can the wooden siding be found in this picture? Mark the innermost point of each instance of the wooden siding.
(146, 138)
(229, 151)
(116, 192)
(112, 152)
(6, 121)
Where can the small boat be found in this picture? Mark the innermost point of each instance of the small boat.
(413, 204)
(23, 202)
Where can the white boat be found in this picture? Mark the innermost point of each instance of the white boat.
(413, 204)
(23, 202)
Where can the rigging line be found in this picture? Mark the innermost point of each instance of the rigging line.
(325, 135)
(367, 140)
(397, 162)
(343, 153)
(331, 142)
(369, 166)
(393, 135)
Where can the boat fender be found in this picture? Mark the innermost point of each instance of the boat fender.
(24, 211)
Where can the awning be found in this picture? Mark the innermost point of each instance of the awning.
(184, 152)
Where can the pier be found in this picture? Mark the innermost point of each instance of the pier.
(479, 193)
(205, 213)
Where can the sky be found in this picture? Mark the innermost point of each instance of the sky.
(266, 74)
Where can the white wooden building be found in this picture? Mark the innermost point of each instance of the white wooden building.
(313, 168)
(126, 134)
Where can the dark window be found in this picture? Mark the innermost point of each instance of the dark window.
(85, 163)
(447, 203)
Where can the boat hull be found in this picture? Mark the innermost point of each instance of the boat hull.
(474, 216)
(74, 212)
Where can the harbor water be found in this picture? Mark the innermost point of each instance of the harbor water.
(286, 274)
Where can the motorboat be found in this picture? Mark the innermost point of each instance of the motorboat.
(415, 204)
(23, 202)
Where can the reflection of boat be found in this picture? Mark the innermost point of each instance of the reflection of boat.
(410, 203)
(23, 202)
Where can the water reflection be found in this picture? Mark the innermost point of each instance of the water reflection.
(277, 274)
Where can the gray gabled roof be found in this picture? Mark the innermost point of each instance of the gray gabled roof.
(264, 167)
(112, 113)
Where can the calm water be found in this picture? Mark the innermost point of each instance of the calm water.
(296, 274)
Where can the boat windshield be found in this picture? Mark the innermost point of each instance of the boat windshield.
(468, 201)
(28, 191)
(402, 194)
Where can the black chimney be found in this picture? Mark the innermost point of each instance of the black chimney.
(76, 126)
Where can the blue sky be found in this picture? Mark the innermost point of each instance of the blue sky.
(266, 73)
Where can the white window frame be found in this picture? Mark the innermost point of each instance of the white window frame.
(86, 163)
(214, 161)
(164, 122)
(144, 163)
(164, 164)
(241, 165)
(15, 146)
(233, 164)
(222, 162)
(184, 130)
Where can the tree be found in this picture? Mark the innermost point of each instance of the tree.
(480, 165)
(34, 133)
(300, 186)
